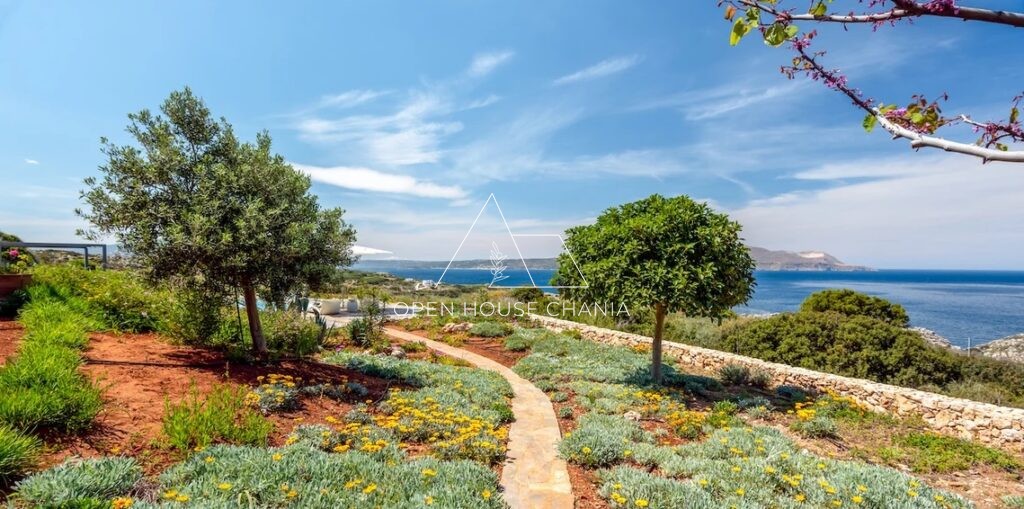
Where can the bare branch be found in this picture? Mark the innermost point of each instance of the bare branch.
(918, 140)
(906, 9)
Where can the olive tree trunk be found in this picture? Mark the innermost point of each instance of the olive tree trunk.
(659, 327)
(252, 312)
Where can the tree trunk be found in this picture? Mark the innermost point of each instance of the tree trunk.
(252, 312)
(659, 327)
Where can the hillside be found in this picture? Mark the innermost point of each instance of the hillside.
(766, 260)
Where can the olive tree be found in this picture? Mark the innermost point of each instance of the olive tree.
(666, 254)
(190, 200)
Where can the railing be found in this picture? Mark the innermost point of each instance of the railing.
(58, 245)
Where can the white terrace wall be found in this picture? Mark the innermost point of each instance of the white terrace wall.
(991, 424)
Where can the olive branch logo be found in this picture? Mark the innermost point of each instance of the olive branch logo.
(497, 264)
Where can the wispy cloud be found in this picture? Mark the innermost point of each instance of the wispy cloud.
(365, 179)
(600, 69)
(483, 103)
(31, 161)
(350, 98)
(484, 63)
(407, 136)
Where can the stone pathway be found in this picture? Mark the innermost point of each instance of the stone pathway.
(534, 477)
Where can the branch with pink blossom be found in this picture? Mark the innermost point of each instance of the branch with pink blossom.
(917, 121)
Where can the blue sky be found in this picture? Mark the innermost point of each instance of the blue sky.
(409, 115)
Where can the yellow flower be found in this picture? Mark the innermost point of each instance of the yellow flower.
(293, 494)
(370, 488)
(703, 482)
(800, 497)
(224, 486)
(861, 488)
(276, 457)
(181, 498)
(429, 500)
(210, 459)
(741, 491)
(170, 493)
(587, 450)
(121, 503)
(857, 499)
(640, 502)
(428, 472)
(736, 469)
(837, 503)
(486, 494)
(912, 493)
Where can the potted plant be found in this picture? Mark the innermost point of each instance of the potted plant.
(14, 267)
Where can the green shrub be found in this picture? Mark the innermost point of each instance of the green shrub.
(819, 426)
(1014, 502)
(760, 378)
(18, 453)
(523, 339)
(490, 329)
(220, 416)
(931, 452)
(565, 412)
(41, 384)
(196, 316)
(78, 483)
(863, 347)
(122, 298)
(527, 294)
(851, 303)
(734, 374)
(413, 346)
(301, 476)
(559, 397)
(601, 440)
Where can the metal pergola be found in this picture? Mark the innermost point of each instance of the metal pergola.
(58, 245)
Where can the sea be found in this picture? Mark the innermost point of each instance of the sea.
(966, 307)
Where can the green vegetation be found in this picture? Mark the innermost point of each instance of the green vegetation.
(41, 384)
(664, 254)
(931, 452)
(80, 483)
(190, 201)
(18, 453)
(490, 329)
(725, 462)
(220, 416)
(862, 346)
(851, 303)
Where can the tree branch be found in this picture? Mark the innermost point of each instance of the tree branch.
(918, 140)
(907, 9)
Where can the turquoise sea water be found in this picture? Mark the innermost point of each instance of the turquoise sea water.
(975, 306)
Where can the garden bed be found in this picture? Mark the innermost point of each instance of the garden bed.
(979, 474)
(139, 372)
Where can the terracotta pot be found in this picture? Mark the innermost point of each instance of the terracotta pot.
(10, 283)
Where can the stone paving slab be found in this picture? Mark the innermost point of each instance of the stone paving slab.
(533, 477)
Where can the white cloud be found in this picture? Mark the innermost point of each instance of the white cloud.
(405, 137)
(350, 98)
(956, 214)
(600, 69)
(484, 63)
(365, 179)
(31, 161)
(483, 103)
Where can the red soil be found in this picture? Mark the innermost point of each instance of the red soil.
(139, 372)
(10, 335)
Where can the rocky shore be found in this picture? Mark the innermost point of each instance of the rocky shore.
(1010, 348)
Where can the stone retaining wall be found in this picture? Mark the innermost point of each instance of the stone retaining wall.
(990, 424)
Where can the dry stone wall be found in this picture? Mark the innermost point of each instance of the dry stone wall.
(990, 424)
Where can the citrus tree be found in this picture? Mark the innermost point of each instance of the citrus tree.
(666, 254)
(192, 201)
(785, 22)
